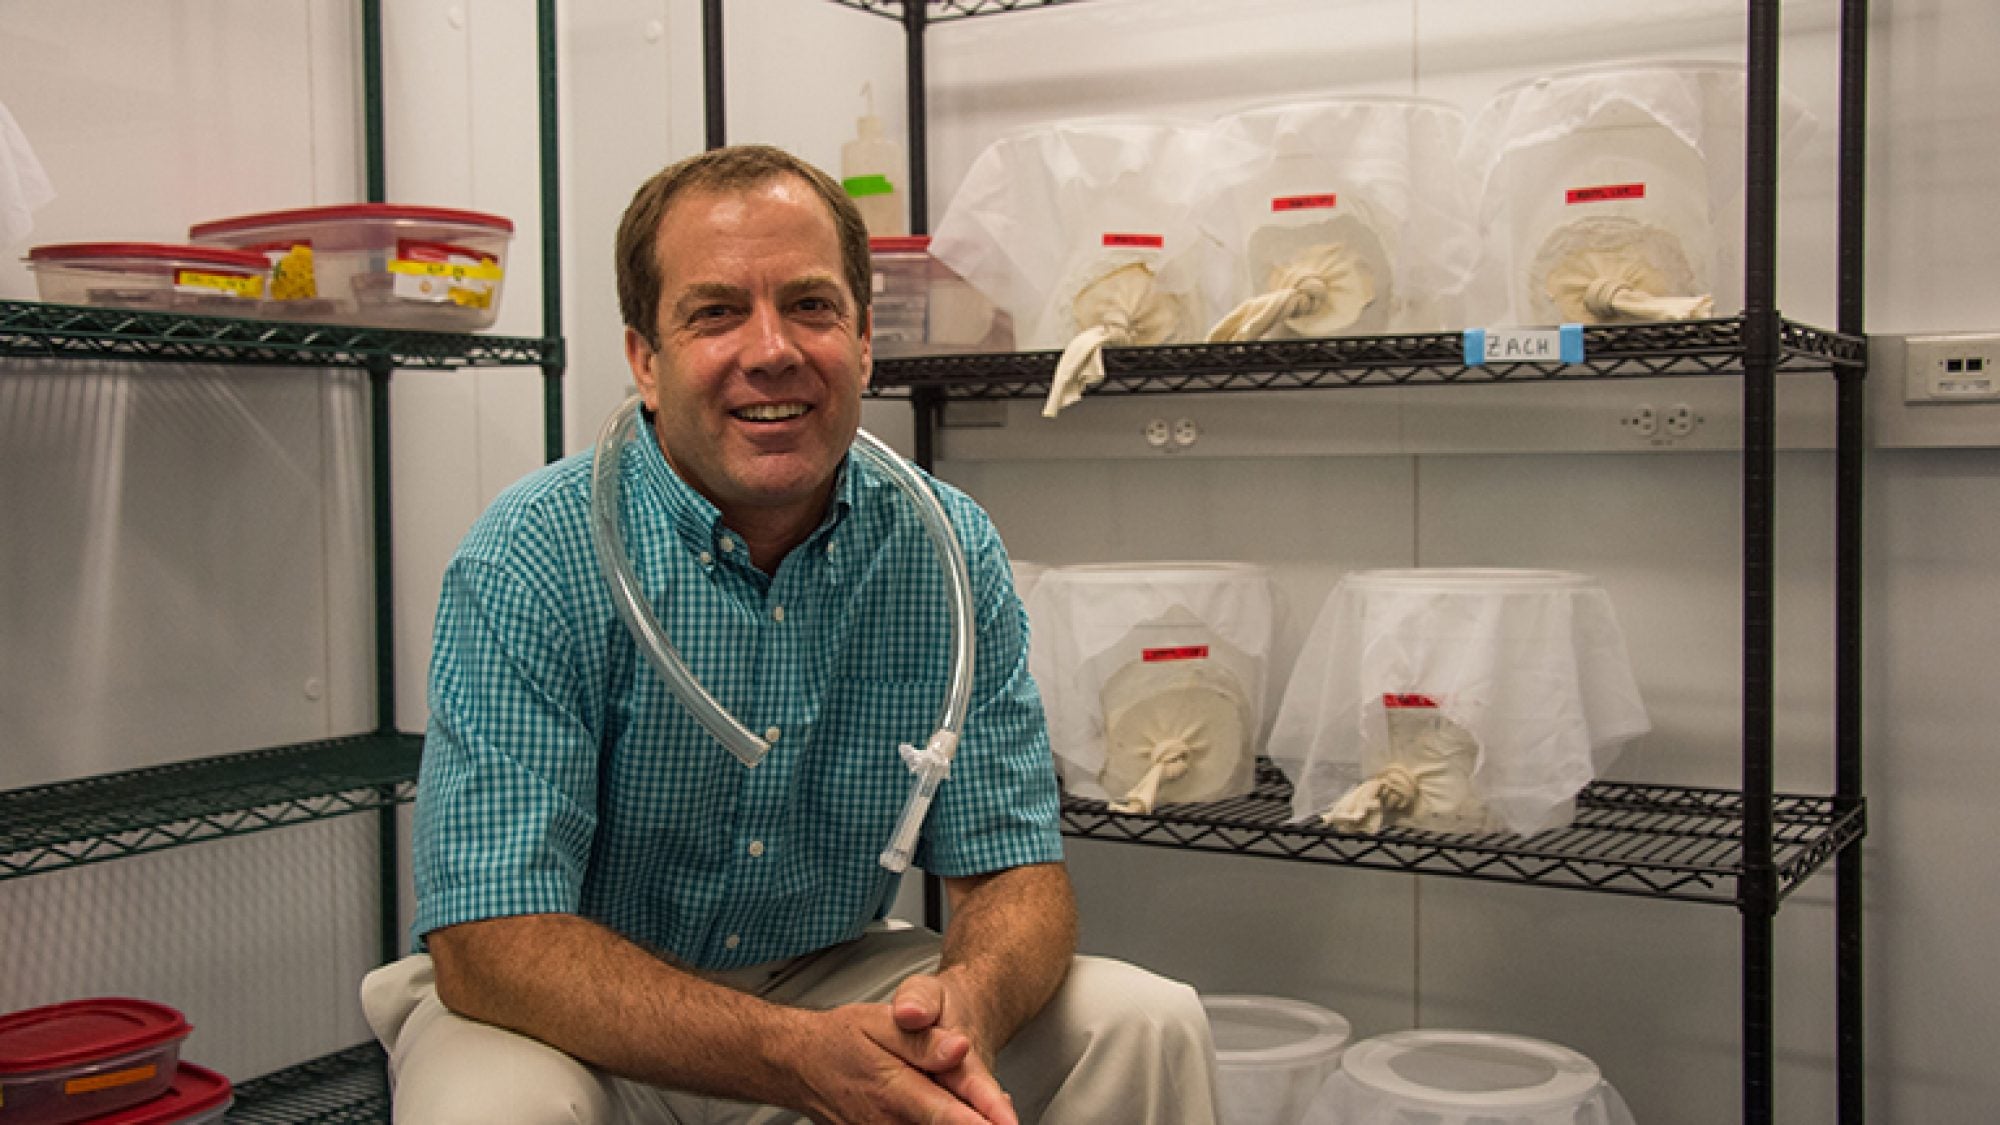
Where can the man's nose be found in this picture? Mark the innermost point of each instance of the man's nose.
(768, 344)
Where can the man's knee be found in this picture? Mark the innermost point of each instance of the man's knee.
(1113, 998)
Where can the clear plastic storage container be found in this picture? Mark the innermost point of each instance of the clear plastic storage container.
(84, 1058)
(1447, 1077)
(150, 275)
(422, 268)
(198, 1096)
(1271, 1055)
(921, 307)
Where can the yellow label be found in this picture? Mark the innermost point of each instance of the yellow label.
(472, 298)
(456, 271)
(110, 1079)
(236, 284)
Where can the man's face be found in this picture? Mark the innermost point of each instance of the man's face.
(757, 380)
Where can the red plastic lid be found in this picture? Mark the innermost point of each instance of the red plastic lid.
(83, 1031)
(900, 244)
(159, 251)
(350, 211)
(196, 1089)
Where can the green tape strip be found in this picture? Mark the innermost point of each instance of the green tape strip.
(858, 186)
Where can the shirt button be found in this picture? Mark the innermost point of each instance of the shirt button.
(829, 548)
(771, 734)
(732, 941)
(756, 848)
(705, 558)
(727, 544)
(778, 613)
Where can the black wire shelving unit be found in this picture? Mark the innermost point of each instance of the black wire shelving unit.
(70, 824)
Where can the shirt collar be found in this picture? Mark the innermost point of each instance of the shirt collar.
(698, 522)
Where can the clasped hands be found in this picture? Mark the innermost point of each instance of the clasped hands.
(914, 1059)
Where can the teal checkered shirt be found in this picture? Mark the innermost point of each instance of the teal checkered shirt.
(561, 776)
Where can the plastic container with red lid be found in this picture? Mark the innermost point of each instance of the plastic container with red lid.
(151, 275)
(387, 265)
(922, 307)
(83, 1058)
(197, 1096)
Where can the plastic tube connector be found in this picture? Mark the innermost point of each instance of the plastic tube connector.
(931, 765)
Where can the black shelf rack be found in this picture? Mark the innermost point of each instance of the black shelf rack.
(1651, 841)
(70, 824)
(34, 330)
(1748, 847)
(48, 828)
(1636, 351)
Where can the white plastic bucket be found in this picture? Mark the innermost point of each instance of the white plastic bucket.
(1379, 179)
(1444, 1077)
(1272, 1054)
(1525, 675)
(1049, 211)
(1632, 170)
(1133, 657)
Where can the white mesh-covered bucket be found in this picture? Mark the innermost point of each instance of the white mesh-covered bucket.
(1456, 700)
(1153, 676)
(1047, 211)
(1444, 1077)
(1272, 1054)
(1615, 194)
(1353, 216)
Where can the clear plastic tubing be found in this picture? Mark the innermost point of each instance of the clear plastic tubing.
(932, 764)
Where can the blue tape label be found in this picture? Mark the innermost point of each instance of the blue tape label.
(1524, 345)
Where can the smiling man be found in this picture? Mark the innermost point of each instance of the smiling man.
(617, 920)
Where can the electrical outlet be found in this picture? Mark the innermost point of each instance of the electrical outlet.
(1963, 367)
(1643, 420)
(1158, 433)
(1680, 420)
(1185, 432)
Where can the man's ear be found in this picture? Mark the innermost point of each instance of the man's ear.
(867, 344)
(639, 356)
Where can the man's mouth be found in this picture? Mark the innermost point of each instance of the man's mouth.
(770, 411)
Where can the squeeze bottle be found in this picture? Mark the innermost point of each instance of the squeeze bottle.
(871, 171)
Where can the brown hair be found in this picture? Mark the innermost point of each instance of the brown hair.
(735, 168)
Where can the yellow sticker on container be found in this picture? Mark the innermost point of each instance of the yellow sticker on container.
(455, 271)
(235, 284)
(110, 1079)
(472, 298)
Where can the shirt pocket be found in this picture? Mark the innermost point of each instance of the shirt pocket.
(854, 781)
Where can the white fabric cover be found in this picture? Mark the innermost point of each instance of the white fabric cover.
(24, 185)
(1082, 230)
(1447, 1077)
(1531, 664)
(1677, 128)
(1353, 216)
(1199, 635)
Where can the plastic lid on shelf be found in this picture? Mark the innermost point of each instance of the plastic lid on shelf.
(1272, 1030)
(900, 244)
(196, 1090)
(344, 211)
(83, 1031)
(155, 251)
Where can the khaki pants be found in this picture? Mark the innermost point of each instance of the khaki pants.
(1116, 1046)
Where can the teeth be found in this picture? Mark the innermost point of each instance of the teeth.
(771, 411)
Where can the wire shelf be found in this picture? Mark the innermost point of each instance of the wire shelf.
(944, 11)
(349, 1087)
(35, 330)
(1653, 841)
(1625, 351)
(92, 820)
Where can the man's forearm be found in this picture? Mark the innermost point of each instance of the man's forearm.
(594, 995)
(1009, 944)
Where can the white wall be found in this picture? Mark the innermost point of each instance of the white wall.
(129, 638)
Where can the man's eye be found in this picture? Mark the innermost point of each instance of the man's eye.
(710, 313)
(818, 306)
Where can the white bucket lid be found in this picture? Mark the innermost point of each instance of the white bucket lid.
(1272, 1031)
(1472, 1070)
